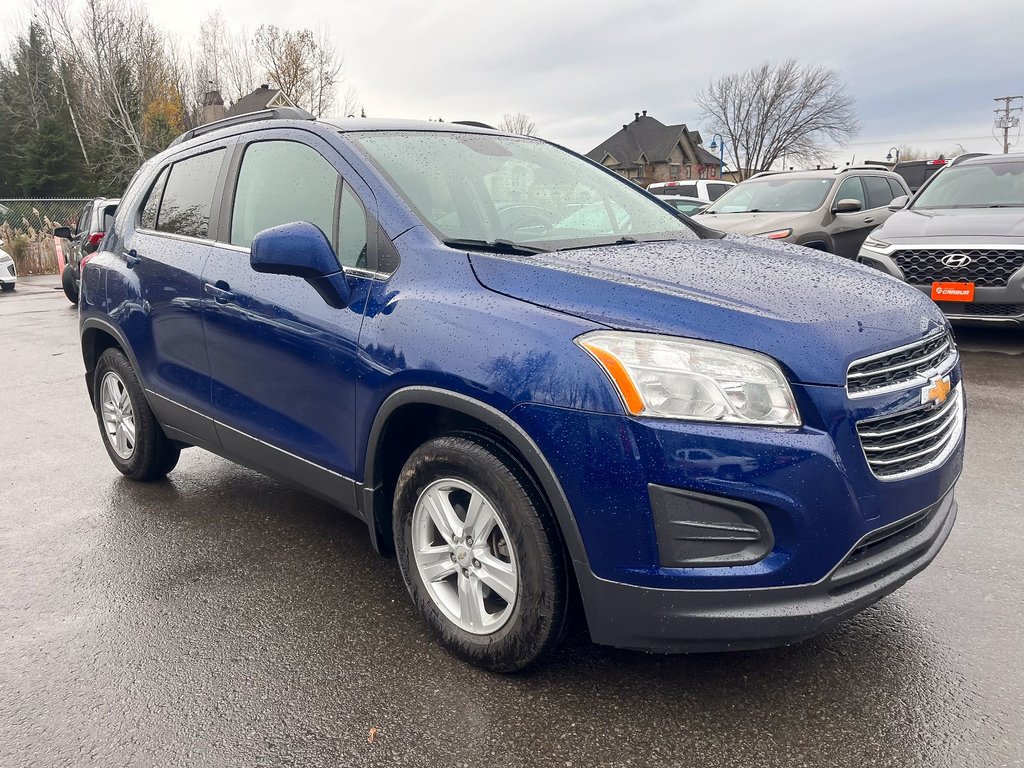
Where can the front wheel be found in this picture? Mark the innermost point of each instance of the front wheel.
(134, 439)
(70, 285)
(480, 553)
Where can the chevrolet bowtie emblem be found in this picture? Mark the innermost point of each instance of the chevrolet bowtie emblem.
(936, 391)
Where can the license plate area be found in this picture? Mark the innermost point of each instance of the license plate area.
(943, 291)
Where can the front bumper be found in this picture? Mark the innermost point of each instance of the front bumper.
(672, 620)
(8, 273)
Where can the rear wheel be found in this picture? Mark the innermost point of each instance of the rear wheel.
(134, 440)
(480, 553)
(70, 285)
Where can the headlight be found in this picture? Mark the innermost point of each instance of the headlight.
(672, 378)
(875, 245)
(776, 234)
(5, 257)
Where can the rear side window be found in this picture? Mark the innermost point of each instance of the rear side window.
(281, 182)
(715, 191)
(688, 190)
(878, 191)
(149, 209)
(188, 195)
(851, 189)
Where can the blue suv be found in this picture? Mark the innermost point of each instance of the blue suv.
(535, 383)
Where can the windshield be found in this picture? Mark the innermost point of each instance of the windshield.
(992, 185)
(485, 188)
(774, 194)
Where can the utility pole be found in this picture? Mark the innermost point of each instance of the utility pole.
(1007, 118)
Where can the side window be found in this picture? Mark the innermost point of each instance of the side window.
(851, 189)
(188, 195)
(895, 188)
(352, 235)
(879, 194)
(281, 182)
(152, 204)
(82, 223)
(715, 191)
(690, 190)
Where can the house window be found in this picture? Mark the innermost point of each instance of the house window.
(673, 171)
(689, 170)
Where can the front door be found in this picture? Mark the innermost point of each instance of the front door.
(283, 362)
(849, 229)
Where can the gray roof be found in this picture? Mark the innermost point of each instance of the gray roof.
(254, 101)
(650, 137)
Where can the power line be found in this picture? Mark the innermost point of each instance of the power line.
(1007, 118)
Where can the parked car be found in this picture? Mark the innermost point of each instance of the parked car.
(342, 305)
(961, 239)
(8, 272)
(687, 205)
(707, 190)
(916, 172)
(828, 210)
(92, 223)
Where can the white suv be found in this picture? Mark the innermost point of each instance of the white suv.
(8, 273)
(707, 190)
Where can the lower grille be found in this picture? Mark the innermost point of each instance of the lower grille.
(914, 441)
(992, 267)
(986, 310)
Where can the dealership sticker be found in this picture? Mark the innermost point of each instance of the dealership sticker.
(952, 291)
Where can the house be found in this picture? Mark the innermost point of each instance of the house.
(263, 97)
(646, 150)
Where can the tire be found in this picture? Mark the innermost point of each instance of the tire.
(148, 455)
(7, 287)
(509, 636)
(67, 280)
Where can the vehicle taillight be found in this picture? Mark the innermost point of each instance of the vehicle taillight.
(95, 237)
(940, 161)
(84, 260)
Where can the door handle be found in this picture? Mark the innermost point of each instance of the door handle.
(220, 294)
(869, 220)
(131, 259)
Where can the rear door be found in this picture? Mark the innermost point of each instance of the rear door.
(284, 363)
(166, 252)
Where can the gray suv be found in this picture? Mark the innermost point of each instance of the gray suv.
(961, 240)
(829, 210)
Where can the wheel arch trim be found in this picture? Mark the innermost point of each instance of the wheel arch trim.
(501, 423)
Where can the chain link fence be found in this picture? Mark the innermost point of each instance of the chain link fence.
(26, 229)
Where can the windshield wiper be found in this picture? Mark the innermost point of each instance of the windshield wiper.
(498, 245)
(625, 240)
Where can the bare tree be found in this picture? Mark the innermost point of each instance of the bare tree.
(800, 111)
(304, 64)
(517, 122)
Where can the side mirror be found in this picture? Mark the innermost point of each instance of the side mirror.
(847, 205)
(899, 203)
(64, 233)
(300, 249)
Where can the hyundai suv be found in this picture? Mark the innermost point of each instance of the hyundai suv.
(961, 240)
(828, 210)
(513, 403)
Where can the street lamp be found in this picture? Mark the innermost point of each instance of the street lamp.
(717, 142)
(888, 157)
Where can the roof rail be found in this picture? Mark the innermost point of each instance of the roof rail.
(965, 156)
(761, 174)
(861, 167)
(273, 113)
(474, 124)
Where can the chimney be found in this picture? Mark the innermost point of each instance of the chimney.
(213, 106)
(645, 113)
(264, 87)
(636, 115)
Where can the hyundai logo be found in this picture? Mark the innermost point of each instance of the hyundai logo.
(957, 260)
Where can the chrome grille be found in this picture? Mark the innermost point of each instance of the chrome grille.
(991, 267)
(914, 441)
(902, 366)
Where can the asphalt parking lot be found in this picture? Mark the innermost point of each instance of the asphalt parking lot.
(222, 618)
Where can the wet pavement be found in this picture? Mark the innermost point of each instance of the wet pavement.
(222, 618)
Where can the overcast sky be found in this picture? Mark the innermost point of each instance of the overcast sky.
(922, 72)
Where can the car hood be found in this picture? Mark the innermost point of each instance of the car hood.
(813, 312)
(953, 223)
(747, 223)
